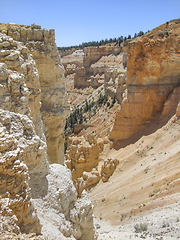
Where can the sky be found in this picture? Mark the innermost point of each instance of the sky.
(83, 21)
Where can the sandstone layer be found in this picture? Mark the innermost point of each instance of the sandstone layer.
(20, 93)
(82, 154)
(55, 108)
(152, 75)
(86, 76)
(73, 61)
(27, 179)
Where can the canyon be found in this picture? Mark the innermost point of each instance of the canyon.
(89, 140)
(136, 130)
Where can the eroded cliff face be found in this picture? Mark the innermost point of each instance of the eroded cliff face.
(153, 73)
(20, 93)
(23, 155)
(55, 107)
(90, 74)
(27, 179)
(19, 147)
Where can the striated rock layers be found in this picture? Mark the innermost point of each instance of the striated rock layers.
(26, 178)
(41, 44)
(153, 74)
(90, 75)
(72, 61)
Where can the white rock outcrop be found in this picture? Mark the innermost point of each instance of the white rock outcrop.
(19, 145)
(61, 205)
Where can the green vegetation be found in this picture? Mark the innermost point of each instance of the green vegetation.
(123, 216)
(87, 110)
(115, 40)
(142, 227)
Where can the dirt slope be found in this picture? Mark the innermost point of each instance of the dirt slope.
(147, 177)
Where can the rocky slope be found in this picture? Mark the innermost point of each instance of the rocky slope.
(146, 180)
(29, 64)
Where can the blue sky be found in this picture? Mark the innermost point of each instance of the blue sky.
(82, 21)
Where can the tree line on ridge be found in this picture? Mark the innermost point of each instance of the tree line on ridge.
(118, 41)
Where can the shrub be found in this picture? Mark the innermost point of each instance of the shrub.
(142, 227)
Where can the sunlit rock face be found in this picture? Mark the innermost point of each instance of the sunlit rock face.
(55, 108)
(33, 101)
(152, 75)
(93, 74)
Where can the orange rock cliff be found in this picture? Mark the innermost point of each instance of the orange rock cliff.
(153, 78)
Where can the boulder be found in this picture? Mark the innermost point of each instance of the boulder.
(87, 181)
(108, 168)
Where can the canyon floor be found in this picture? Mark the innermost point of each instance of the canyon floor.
(144, 189)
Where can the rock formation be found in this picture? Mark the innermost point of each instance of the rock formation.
(41, 44)
(20, 93)
(89, 75)
(70, 217)
(31, 81)
(73, 61)
(87, 181)
(152, 74)
(108, 168)
(107, 70)
(82, 154)
(83, 159)
(19, 147)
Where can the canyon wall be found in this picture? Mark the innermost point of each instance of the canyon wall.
(86, 76)
(23, 157)
(20, 93)
(72, 61)
(33, 101)
(55, 107)
(153, 73)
